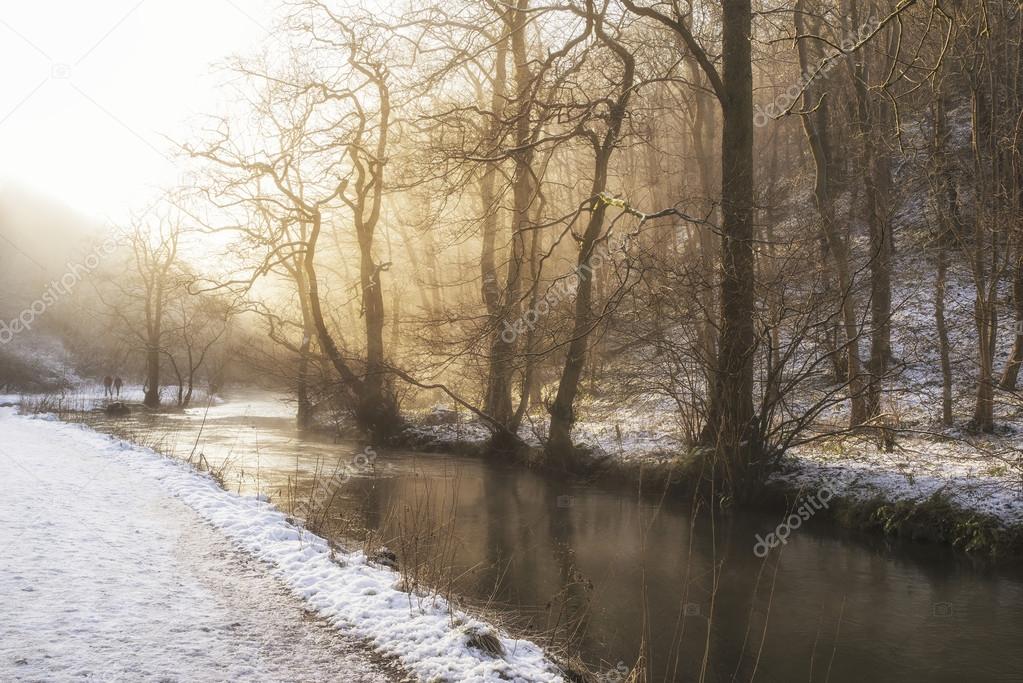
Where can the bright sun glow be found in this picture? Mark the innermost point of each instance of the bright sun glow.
(96, 94)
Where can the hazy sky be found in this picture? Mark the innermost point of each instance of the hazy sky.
(90, 89)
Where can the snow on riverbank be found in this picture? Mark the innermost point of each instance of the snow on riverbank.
(978, 484)
(361, 599)
(978, 473)
(105, 576)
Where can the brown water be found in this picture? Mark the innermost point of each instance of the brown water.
(606, 571)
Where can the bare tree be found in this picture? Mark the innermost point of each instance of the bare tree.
(736, 448)
(560, 450)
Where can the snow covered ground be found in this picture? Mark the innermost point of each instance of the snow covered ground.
(977, 472)
(104, 576)
(108, 573)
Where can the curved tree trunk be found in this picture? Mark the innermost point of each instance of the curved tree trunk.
(351, 384)
(560, 451)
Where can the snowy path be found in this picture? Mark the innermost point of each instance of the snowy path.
(105, 576)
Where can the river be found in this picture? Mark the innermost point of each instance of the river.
(600, 570)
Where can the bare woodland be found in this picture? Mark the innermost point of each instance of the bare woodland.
(516, 209)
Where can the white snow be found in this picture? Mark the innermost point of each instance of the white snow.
(971, 483)
(104, 576)
(93, 527)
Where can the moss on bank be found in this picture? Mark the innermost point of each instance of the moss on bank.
(935, 519)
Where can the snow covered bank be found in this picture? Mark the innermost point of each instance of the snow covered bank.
(982, 475)
(424, 634)
(105, 576)
(976, 473)
(971, 481)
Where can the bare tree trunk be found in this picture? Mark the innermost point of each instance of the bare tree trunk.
(152, 394)
(878, 193)
(351, 384)
(490, 288)
(191, 379)
(939, 322)
(376, 410)
(373, 401)
(704, 124)
(526, 390)
(560, 451)
(983, 411)
(304, 411)
(154, 331)
(873, 122)
(1010, 374)
(774, 379)
(984, 281)
(737, 450)
(503, 347)
(814, 125)
(949, 226)
(736, 437)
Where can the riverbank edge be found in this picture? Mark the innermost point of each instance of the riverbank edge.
(933, 519)
(570, 668)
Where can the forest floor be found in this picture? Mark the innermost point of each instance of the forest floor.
(117, 563)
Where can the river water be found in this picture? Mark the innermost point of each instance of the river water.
(602, 571)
